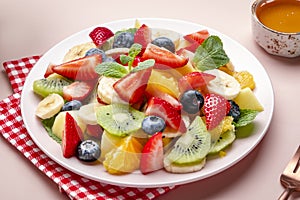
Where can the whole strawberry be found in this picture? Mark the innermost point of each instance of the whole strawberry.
(215, 109)
(100, 34)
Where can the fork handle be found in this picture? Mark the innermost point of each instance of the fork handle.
(285, 194)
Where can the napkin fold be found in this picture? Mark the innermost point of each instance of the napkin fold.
(14, 131)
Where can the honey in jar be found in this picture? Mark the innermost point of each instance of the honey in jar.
(280, 15)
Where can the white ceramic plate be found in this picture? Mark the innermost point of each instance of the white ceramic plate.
(240, 57)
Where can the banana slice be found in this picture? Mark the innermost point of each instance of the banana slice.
(49, 106)
(106, 92)
(87, 113)
(183, 169)
(78, 51)
(224, 84)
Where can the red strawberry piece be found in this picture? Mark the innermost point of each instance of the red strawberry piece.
(79, 69)
(192, 48)
(152, 154)
(165, 96)
(164, 58)
(215, 109)
(195, 40)
(94, 130)
(194, 80)
(49, 70)
(131, 88)
(198, 37)
(72, 136)
(159, 107)
(77, 90)
(143, 36)
(100, 34)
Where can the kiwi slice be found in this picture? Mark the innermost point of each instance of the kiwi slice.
(119, 119)
(224, 140)
(193, 146)
(52, 84)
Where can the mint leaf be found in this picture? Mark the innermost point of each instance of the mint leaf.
(247, 116)
(125, 59)
(47, 124)
(134, 50)
(144, 65)
(111, 69)
(210, 54)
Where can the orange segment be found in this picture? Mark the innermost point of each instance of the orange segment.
(245, 79)
(125, 158)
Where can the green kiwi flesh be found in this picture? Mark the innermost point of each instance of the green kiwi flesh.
(52, 84)
(193, 146)
(119, 119)
(224, 140)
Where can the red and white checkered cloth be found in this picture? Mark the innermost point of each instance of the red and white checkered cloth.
(13, 130)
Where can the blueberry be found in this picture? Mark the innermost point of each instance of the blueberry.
(234, 111)
(72, 105)
(94, 51)
(192, 101)
(109, 59)
(164, 42)
(123, 40)
(153, 124)
(88, 151)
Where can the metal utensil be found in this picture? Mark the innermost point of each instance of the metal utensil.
(290, 178)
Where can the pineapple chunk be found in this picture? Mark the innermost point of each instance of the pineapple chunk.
(246, 99)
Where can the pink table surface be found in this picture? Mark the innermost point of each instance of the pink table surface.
(32, 27)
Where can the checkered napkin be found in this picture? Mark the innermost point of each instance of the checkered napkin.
(13, 130)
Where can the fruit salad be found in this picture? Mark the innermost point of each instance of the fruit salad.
(146, 99)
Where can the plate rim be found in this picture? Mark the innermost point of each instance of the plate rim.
(130, 183)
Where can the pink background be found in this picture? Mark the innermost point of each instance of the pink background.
(32, 27)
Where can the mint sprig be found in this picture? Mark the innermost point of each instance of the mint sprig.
(111, 69)
(134, 50)
(210, 54)
(144, 65)
(116, 70)
(246, 117)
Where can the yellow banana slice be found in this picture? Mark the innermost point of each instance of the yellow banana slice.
(224, 84)
(49, 106)
(106, 91)
(78, 51)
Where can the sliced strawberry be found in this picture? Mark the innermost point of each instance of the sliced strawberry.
(152, 92)
(49, 70)
(159, 107)
(195, 39)
(152, 154)
(100, 34)
(215, 109)
(77, 90)
(192, 48)
(164, 58)
(143, 36)
(198, 37)
(94, 130)
(194, 80)
(131, 88)
(72, 136)
(79, 69)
